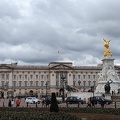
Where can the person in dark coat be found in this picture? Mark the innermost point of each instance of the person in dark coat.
(9, 103)
(47, 102)
(102, 102)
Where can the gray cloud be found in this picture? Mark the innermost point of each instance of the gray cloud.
(33, 31)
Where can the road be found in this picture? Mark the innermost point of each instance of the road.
(4, 102)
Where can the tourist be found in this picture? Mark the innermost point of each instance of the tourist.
(47, 102)
(43, 102)
(92, 102)
(88, 103)
(102, 102)
(9, 103)
(12, 102)
(17, 103)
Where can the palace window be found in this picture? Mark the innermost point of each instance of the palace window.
(14, 83)
(89, 83)
(94, 83)
(57, 76)
(47, 76)
(14, 76)
(42, 83)
(31, 83)
(25, 83)
(57, 83)
(93, 76)
(36, 76)
(31, 76)
(88, 76)
(36, 83)
(3, 76)
(20, 76)
(25, 76)
(20, 83)
(73, 76)
(78, 76)
(2, 84)
(7, 77)
(84, 83)
(84, 76)
(42, 76)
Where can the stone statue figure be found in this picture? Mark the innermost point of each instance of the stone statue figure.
(112, 74)
(68, 88)
(100, 78)
(107, 51)
(107, 86)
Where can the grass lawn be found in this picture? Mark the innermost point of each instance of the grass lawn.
(91, 116)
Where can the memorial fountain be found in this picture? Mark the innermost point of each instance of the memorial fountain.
(108, 75)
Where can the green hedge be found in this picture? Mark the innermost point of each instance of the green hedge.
(33, 114)
(44, 114)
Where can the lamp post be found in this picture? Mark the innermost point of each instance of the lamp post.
(5, 92)
(79, 82)
(5, 89)
(46, 88)
(63, 79)
(93, 88)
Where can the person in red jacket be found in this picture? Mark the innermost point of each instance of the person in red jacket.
(17, 103)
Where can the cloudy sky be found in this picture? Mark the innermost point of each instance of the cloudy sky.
(37, 32)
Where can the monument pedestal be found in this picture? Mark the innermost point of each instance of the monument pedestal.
(114, 86)
(108, 96)
(108, 73)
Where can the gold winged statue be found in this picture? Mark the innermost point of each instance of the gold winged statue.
(107, 51)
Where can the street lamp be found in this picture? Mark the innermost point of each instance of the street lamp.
(5, 92)
(63, 80)
(5, 89)
(46, 88)
(79, 82)
(93, 88)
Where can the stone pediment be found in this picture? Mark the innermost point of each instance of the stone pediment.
(5, 66)
(61, 66)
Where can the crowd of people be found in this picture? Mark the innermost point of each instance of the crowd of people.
(91, 102)
(45, 102)
(11, 102)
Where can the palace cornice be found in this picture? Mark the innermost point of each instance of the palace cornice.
(87, 68)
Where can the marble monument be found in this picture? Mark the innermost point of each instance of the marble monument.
(108, 72)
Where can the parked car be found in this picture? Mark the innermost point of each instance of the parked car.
(97, 100)
(48, 99)
(74, 100)
(106, 101)
(32, 100)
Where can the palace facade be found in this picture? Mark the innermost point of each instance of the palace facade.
(26, 80)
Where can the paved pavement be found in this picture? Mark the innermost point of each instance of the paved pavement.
(4, 102)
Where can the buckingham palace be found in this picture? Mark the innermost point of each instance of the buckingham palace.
(37, 80)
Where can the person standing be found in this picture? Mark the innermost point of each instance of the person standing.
(17, 103)
(102, 102)
(12, 103)
(88, 102)
(43, 102)
(9, 103)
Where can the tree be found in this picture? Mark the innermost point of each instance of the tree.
(54, 105)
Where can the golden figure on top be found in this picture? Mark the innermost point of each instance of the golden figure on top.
(107, 50)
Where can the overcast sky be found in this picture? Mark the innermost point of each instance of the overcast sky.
(37, 32)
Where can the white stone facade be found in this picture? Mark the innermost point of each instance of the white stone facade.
(17, 80)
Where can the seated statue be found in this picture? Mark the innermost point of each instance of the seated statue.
(107, 86)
